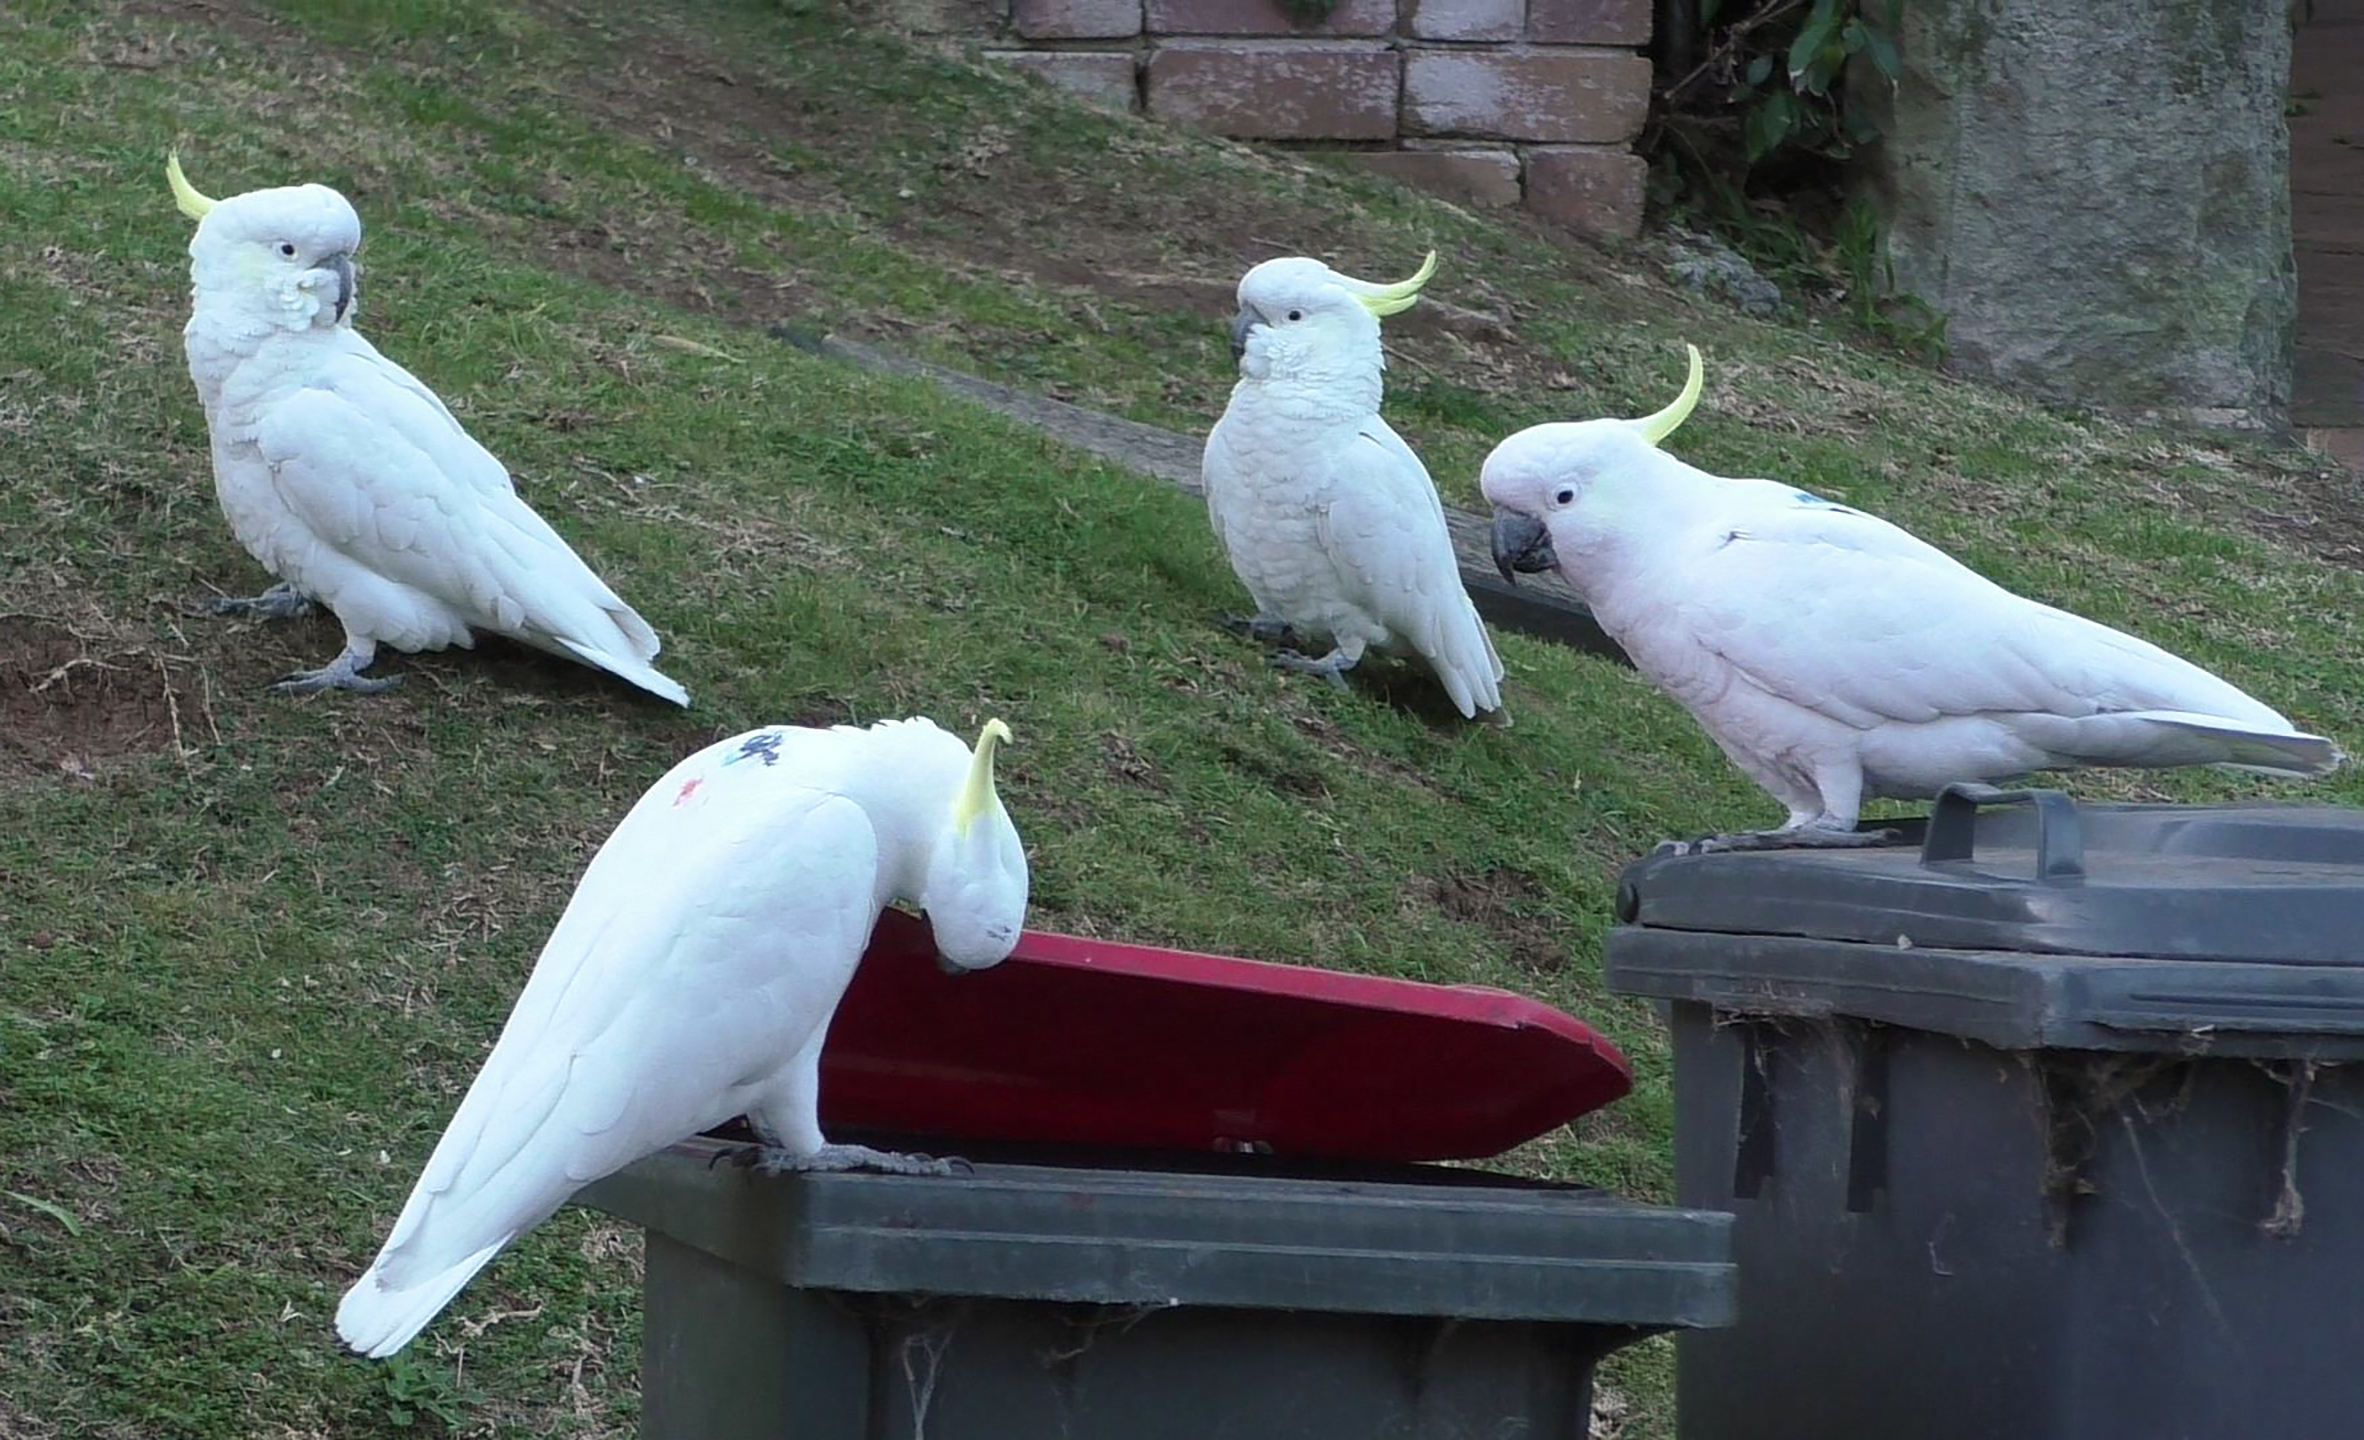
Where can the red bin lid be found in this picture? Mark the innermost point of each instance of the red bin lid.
(1075, 1041)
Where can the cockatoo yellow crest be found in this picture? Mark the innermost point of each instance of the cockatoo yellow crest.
(977, 796)
(1655, 428)
(192, 201)
(1385, 300)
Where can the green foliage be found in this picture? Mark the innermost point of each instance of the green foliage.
(1871, 296)
(1751, 138)
(1786, 66)
(416, 1395)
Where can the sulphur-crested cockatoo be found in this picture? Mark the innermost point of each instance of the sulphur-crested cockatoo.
(692, 979)
(348, 479)
(1832, 655)
(1329, 519)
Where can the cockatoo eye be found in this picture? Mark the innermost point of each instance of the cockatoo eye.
(287, 248)
(1296, 314)
(1567, 496)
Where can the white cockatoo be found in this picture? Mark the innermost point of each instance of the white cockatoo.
(348, 479)
(1329, 519)
(692, 979)
(1834, 656)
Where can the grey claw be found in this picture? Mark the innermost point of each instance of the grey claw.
(280, 602)
(770, 1160)
(312, 682)
(1297, 664)
(1809, 837)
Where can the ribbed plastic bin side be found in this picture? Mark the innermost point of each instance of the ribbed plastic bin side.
(1030, 1301)
(2050, 1130)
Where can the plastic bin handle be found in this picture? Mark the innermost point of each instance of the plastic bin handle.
(2060, 838)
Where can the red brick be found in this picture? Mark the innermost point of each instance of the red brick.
(1589, 22)
(1100, 76)
(1586, 187)
(1466, 19)
(1267, 17)
(1526, 94)
(1479, 177)
(1076, 19)
(1277, 90)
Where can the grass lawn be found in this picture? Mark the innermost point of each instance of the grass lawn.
(253, 948)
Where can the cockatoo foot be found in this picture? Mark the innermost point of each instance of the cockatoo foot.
(341, 673)
(281, 602)
(1803, 837)
(1331, 667)
(1264, 629)
(772, 1160)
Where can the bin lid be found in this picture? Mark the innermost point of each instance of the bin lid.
(2280, 883)
(1080, 1041)
(2024, 914)
(1462, 1245)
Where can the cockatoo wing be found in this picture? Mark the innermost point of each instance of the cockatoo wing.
(400, 399)
(709, 941)
(1845, 614)
(1384, 531)
(1218, 475)
(377, 470)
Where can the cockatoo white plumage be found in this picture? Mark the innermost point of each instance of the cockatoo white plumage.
(349, 479)
(1834, 656)
(693, 977)
(1328, 518)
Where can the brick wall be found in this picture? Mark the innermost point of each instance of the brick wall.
(1493, 102)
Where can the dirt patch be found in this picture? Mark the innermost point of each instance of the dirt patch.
(67, 706)
(1500, 902)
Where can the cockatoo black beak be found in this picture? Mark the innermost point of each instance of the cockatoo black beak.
(1241, 324)
(1521, 546)
(341, 266)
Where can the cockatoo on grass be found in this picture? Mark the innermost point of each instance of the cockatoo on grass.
(1832, 655)
(1329, 519)
(349, 480)
(692, 979)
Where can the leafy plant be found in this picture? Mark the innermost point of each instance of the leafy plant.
(414, 1392)
(1871, 296)
(1751, 137)
(1784, 65)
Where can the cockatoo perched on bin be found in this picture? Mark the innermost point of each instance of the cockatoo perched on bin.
(1329, 519)
(348, 479)
(1834, 656)
(692, 979)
